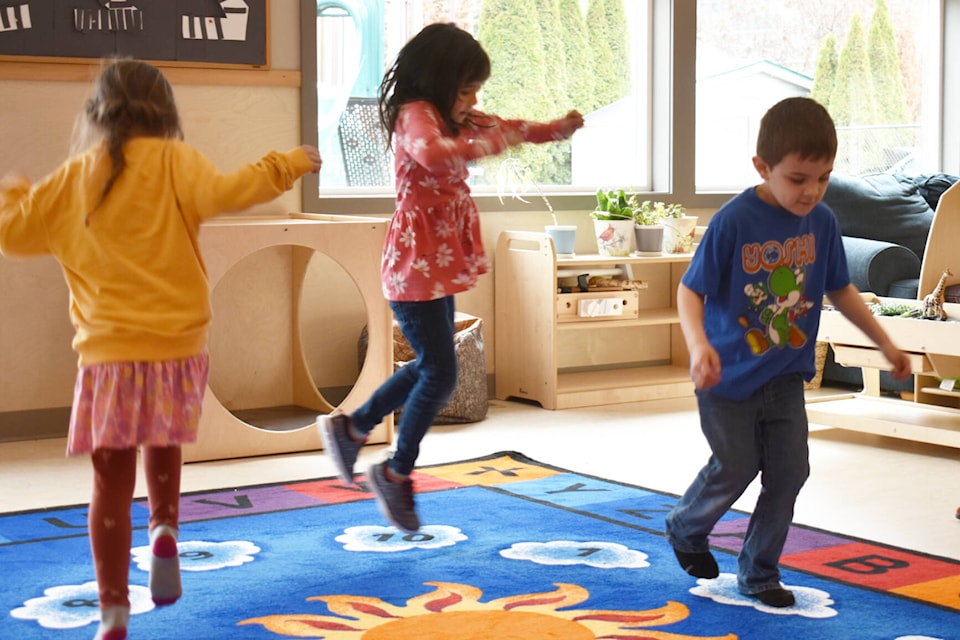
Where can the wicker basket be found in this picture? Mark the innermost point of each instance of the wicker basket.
(470, 398)
(821, 356)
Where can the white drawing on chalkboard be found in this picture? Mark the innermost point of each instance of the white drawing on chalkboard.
(225, 20)
(15, 17)
(114, 15)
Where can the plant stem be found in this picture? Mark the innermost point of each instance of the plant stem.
(513, 174)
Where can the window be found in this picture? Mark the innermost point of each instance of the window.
(575, 56)
(867, 61)
(701, 73)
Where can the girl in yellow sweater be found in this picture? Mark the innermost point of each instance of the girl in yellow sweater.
(122, 218)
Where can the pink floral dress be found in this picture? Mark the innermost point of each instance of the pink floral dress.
(433, 246)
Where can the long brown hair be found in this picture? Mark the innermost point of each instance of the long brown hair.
(130, 98)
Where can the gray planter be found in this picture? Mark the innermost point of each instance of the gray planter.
(649, 238)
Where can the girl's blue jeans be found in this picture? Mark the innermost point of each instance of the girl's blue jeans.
(765, 434)
(422, 387)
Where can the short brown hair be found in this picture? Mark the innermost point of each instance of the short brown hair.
(796, 125)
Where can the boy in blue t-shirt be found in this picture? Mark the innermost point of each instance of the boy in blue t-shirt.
(749, 309)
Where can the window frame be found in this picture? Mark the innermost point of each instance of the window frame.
(672, 96)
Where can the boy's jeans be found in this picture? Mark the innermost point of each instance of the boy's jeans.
(766, 434)
(422, 387)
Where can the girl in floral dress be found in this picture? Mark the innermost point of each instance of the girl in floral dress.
(433, 249)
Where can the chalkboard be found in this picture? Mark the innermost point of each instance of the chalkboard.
(194, 32)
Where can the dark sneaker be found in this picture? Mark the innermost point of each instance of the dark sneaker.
(776, 597)
(395, 499)
(339, 444)
(699, 565)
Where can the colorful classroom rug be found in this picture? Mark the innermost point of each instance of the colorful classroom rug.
(512, 549)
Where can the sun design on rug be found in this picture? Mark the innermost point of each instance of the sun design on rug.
(454, 610)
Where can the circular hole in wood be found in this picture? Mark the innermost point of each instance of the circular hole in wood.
(284, 337)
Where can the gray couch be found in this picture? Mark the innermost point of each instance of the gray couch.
(885, 219)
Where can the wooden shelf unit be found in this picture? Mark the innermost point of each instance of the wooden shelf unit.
(286, 423)
(934, 349)
(560, 364)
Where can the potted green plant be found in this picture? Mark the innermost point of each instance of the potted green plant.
(648, 227)
(614, 204)
(613, 221)
(678, 229)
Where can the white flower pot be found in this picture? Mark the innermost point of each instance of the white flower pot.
(614, 237)
(678, 234)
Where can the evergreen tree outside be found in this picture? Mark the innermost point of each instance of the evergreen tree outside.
(510, 32)
(893, 140)
(826, 74)
(576, 49)
(885, 68)
(553, 45)
(619, 47)
(852, 98)
(605, 79)
(555, 69)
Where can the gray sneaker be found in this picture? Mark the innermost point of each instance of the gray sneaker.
(395, 499)
(339, 444)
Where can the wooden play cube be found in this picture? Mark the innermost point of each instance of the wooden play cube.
(260, 361)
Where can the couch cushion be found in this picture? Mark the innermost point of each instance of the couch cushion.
(875, 265)
(904, 288)
(932, 186)
(881, 206)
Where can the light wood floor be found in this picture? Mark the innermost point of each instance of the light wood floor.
(882, 489)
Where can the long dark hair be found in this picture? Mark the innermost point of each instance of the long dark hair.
(130, 98)
(432, 66)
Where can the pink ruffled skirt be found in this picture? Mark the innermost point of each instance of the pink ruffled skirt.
(122, 405)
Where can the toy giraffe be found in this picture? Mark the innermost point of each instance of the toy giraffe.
(932, 308)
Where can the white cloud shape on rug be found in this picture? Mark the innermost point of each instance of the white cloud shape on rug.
(600, 555)
(199, 555)
(383, 539)
(71, 606)
(917, 638)
(811, 603)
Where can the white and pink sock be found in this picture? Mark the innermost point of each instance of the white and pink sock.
(164, 565)
(113, 623)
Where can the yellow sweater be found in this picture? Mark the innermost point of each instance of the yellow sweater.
(138, 285)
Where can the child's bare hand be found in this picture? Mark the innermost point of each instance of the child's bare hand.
(314, 154)
(705, 367)
(570, 123)
(900, 361)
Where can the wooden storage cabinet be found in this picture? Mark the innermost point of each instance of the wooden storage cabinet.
(933, 347)
(934, 351)
(547, 352)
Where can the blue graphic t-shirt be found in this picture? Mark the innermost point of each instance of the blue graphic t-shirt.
(763, 272)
